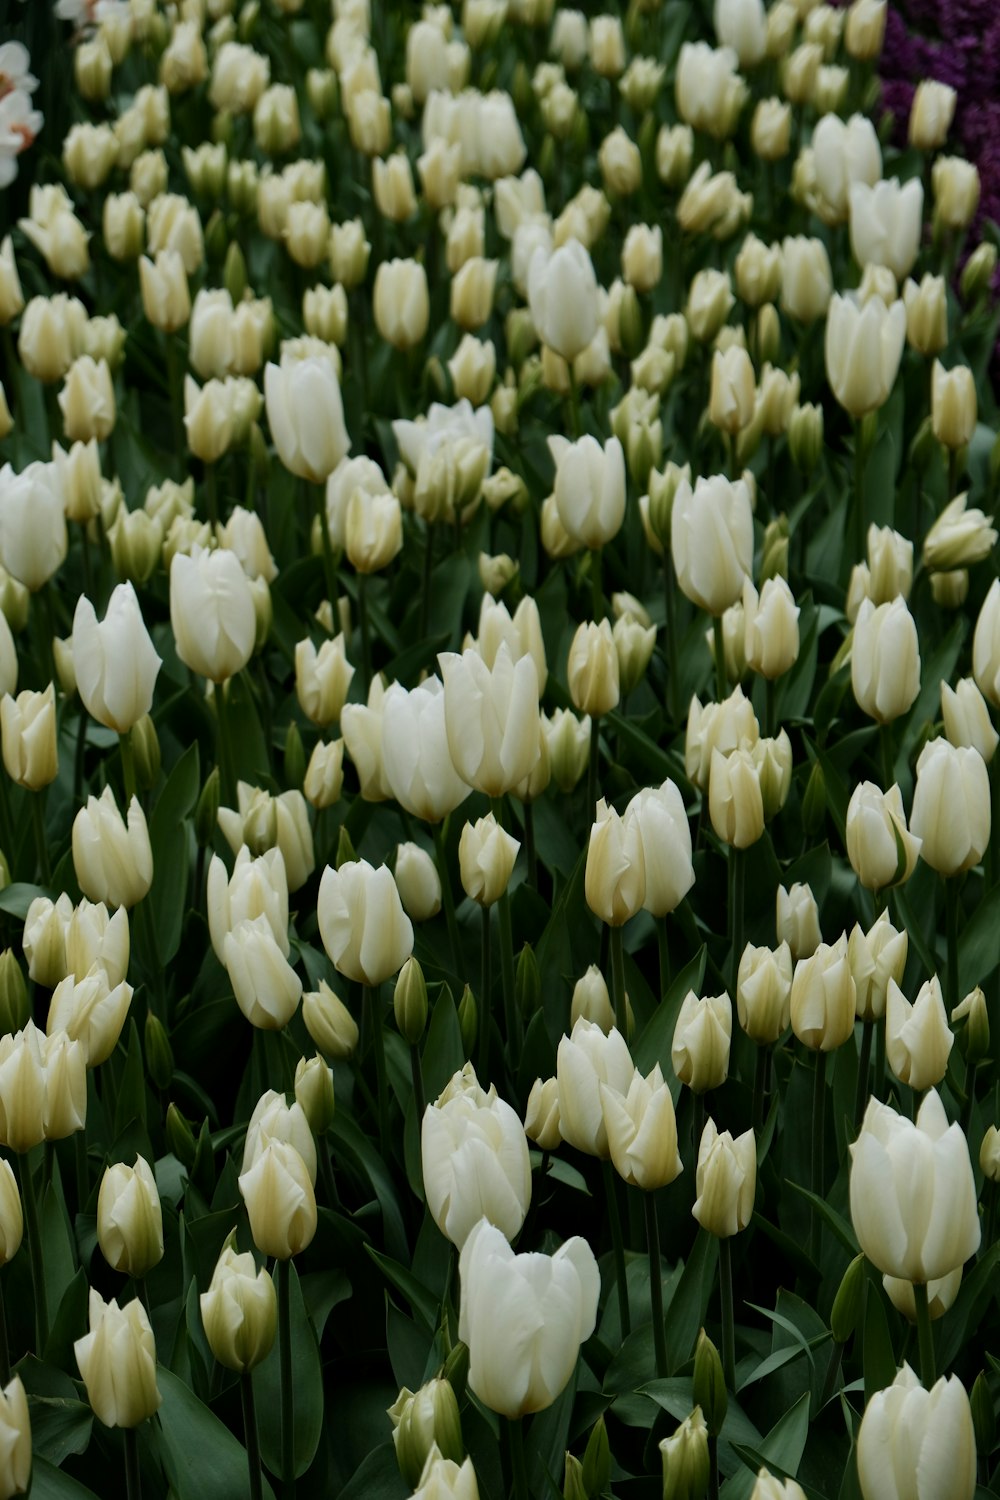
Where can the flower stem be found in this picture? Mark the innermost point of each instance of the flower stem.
(369, 1001)
(663, 953)
(283, 1268)
(447, 899)
(769, 694)
(728, 1321)
(222, 755)
(425, 597)
(417, 1076)
(529, 844)
(518, 1468)
(951, 927)
(759, 1089)
(859, 493)
(251, 1436)
(670, 629)
(128, 767)
(618, 1243)
(366, 641)
(42, 848)
(211, 497)
(329, 564)
(35, 1250)
(596, 591)
(133, 1479)
(655, 1283)
(818, 1123)
(4, 1346)
(925, 1334)
(507, 978)
(595, 750)
(864, 1067)
(719, 652)
(737, 881)
(618, 981)
(574, 403)
(483, 1068)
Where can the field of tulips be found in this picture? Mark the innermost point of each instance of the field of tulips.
(499, 661)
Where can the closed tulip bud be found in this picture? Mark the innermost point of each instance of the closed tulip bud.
(365, 931)
(585, 1060)
(989, 1154)
(280, 1200)
(589, 488)
(771, 626)
(657, 815)
(926, 314)
(885, 660)
(674, 152)
(486, 855)
(886, 221)
(770, 129)
(876, 958)
(117, 1360)
(559, 1294)
(11, 296)
(763, 992)
(642, 1131)
(974, 1036)
(592, 1001)
(702, 1035)
(735, 799)
(426, 1422)
(159, 1053)
(951, 807)
(129, 1219)
(541, 1119)
(953, 405)
(931, 114)
(592, 670)
(474, 1157)
(29, 738)
(562, 290)
(958, 538)
(863, 350)
(890, 565)
(918, 1038)
(881, 850)
(401, 302)
(496, 747)
(797, 920)
(166, 300)
(418, 882)
(11, 1221)
(14, 1007)
(717, 726)
(239, 1311)
(956, 191)
(114, 660)
(90, 1011)
(805, 437)
(726, 1181)
(686, 1460)
(472, 291)
(940, 1441)
(314, 1093)
(824, 997)
(322, 679)
(112, 858)
(979, 271)
(329, 1022)
(409, 1002)
(709, 303)
(472, 369)
(306, 416)
(708, 1384)
(349, 252)
(731, 401)
(986, 646)
(324, 775)
(712, 541)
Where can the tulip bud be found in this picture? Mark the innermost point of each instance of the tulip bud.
(726, 1181)
(881, 850)
(239, 1311)
(951, 807)
(129, 1219)
(280, 1200)
(423, 1421)
(486, 855)
(989, 1155)
(983, 1415)
(953, 405)
(918, 1039)
(849, 1301)
(702, 1035)
(686, 1463)
(974, 1037)
(329, 1022)
(940, 1430)
(763, 992)
(468, 1020)
(708, 1384)
(979, 271)
(159, 1053)
(409, 1001)
(824, 997)
(314, 1093)
(735, 799)
(527, 983)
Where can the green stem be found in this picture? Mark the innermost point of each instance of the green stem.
(447, 900)
(507, 977)
(369, 1001)
(133, 1479)
(925, 1334)
(82, 1172)
(595, 750)
(417, 1077)
(818, 1124)
(888, 758)
(832, 1372)
(859, 493)
(614, 1219)
(596, 589)
(737, 881)
(769, 719)
(366, 642)
(425, 597)
(655, 1283)
(878, 1082)
(128, 767)
(35, 1250)
(970, 1095)
(574, 402)
(4, 1346)
(663, 953)
(951, 927)
(728, 1320)
(222, 751)
(518, 1468)
(759, 1080)
(697, 1121)
(329, 564)
(251, 1436)
(993, 1194)
(529, 844)
(212, 497)
(41, 845)
(721, 681)
(864, 1068)
(485, 1012)
(176, 394)
(952, 474)
(670, 603)
(618, 981)
(713, 1468)
(287, 1391)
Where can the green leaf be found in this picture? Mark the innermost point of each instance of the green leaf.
(168, 837)
(307, 1406)
(879, 1358)
(783, 1448)
(15, 899)
(131, 1102)
(654, 1044)
(978, 950)
(686, 1313)
(200, 1453)
(50, 1483)
(837, 1223)
(59, 1427)
(423, 1302)
(377, 1478)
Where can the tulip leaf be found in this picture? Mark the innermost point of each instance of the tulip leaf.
(350, 1142)
(782, 1448)
(50, 1483)
(940, 666)
(168, 837)
(657, 1036)
(978, 950)
(837, 1222)
(307, 1407)
(546, 1441)
(200, 1454)
(377, 1477)
(442, 1054)
(15, 899)
(131, 1102)
(961, 1321)
(59, 1427)
(70, 1321)
(686, 1312)
(58, 1245)
(423, 1302)
(878, 1354)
